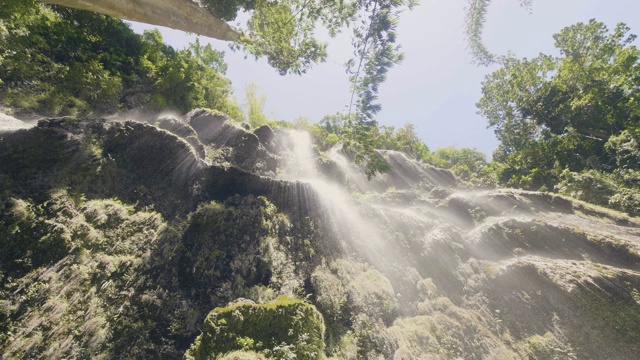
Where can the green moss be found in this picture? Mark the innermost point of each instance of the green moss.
(616, 310)
(547, 347)
(32, 235)
(490, 269)
(443, 330)
(243, 355)
(281, 328)
(60, 260)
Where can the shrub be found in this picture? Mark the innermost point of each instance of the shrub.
(283, 328)
(625, 147)
(618, 190)
(243, 355)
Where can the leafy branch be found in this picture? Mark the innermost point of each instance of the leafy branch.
(376, 51)
(473, 27)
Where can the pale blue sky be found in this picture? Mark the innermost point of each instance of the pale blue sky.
(436, 87)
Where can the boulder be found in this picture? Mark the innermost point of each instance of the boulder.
(283, 328)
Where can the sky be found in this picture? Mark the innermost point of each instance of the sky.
(436, 87)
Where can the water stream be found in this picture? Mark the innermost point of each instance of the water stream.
(346, 220)
(9, 123)
(379, 234)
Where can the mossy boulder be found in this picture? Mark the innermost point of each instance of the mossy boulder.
(283, 328)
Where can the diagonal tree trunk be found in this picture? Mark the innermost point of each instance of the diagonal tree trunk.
(177, 14)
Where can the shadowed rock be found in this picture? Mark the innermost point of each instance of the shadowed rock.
(233, 143)
(183, 130)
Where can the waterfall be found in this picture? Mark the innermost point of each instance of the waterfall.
(388, 238)
(9, 123)
(347, 222)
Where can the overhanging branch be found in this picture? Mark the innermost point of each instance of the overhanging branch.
(177, 14)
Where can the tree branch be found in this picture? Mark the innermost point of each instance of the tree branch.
(183, 15)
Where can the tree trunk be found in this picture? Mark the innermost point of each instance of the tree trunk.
(177, 14)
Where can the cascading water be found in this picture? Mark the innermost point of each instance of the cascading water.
(9, 123)
(346, 220)
(300, 164)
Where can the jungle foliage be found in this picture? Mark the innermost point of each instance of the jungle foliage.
(361, 142)
(570, 122)
(61, 61)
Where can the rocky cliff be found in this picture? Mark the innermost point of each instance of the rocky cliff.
(182, 237)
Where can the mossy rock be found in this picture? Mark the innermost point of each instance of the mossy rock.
(183, 130)
(283, 328)
(243, 355)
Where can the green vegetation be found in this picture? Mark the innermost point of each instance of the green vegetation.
(254, 107)
(362, 144)
(354, 293)
(547, 346)
(570, 123)
(117, 240)
(138, 281)
(59, 61)
(618, 190)
(467, 163)
(60, 259)
(284, 328)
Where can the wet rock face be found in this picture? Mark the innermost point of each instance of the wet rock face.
(405, 173)
(543, 274)
(266, 135)
(183, 130)
(210, 126)
(9, 123)
(590, 308)
(159, 166)
(233, 143)
(131, 161)
(411, 266)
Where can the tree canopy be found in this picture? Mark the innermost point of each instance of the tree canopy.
(589, 89)
(285, 32)
(62, 61)
(572, 118)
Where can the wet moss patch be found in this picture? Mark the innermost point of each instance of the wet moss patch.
(283, 328)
